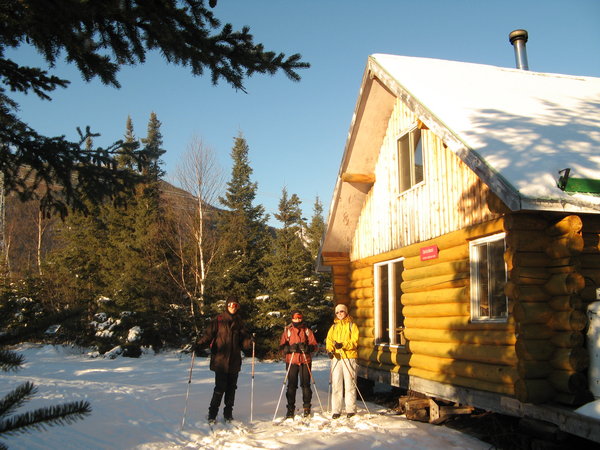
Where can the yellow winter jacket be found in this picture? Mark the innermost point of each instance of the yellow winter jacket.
(346, 332)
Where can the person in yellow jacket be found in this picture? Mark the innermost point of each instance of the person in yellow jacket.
(342, 344)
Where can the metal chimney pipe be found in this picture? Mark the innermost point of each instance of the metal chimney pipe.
(518, 38)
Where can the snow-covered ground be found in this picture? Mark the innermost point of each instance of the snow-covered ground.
(139, 403)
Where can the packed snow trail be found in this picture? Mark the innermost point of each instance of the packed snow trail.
(139, 404)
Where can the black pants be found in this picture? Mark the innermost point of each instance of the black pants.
(225, 384)
(302, 372)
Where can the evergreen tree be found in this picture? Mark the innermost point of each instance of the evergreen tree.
(243, 233)
(99, 37)
(126, 160)
(316, 228)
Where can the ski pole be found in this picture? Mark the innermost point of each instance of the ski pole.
(187, 394)
(313, 380)
(353, 373)
(283, 387)
(252, 386)
(332, 367)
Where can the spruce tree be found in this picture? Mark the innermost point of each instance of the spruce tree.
(243, 233)
(315, 229)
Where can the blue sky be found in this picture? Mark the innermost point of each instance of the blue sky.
(297, 131)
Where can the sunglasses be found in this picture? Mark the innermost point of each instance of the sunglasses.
(340, 312)
(233, 305)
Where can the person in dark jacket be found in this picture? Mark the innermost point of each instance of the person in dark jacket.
(226, 336)
(297, 343)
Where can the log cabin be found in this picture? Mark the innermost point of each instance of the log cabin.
(464, 235)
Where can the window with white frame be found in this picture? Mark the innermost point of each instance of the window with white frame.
(410, 159)
(488, 278)
(389, 320)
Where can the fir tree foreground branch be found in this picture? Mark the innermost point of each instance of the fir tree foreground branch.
(99, 37)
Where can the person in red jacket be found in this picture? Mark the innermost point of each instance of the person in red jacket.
(297, 343)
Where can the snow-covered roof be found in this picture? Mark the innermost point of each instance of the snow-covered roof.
(525, 126)
(515, 129)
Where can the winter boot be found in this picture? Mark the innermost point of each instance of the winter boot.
(213, 409)
(228, 414)
(306, 412)
(290, 412)
(335, 416)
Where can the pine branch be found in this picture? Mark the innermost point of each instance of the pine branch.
(16, 398)
(41, 418)
(10, 360)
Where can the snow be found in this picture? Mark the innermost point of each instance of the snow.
(138, 403)
(526, 125)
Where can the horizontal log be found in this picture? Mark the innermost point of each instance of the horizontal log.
(366, 341)
(534, 391)
(566, 225)
(514, 258)
(570, 359)
(568, 381)
(340, 289)
(525, 293)
(525, 222)
(527, 241)
(446, 255)
(568, 339)
(438, 269)
(362, 293)
(568, 321)
(564, 246)
(486, 372)
(365, 331)
(364, 322)
(530, 312)
(461, 336)
(455, 323)
(364, 303)
(564, 284)
(491, 354)
(362, 313)
(497, 388)
(360, 274)
(437, 310)
(531, 369)
(534, 350)
(363, 283)
(439, 282)
(534, 331)
(529, 275)
(450, 295)
(566, 303)
(341, 269)
(384, 355)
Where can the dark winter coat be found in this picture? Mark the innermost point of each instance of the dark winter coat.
(293, 335)
(226, 336)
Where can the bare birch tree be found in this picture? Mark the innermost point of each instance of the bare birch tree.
(194, 238)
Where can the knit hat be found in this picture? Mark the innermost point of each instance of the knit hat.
(341, 307)
(231, 300)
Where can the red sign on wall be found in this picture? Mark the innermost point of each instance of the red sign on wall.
(430, 252)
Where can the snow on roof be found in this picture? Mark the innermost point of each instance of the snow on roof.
(524, 125)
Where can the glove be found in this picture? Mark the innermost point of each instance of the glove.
(311, 348)
(338, 345)
(201, 352)
(303, 347)
(330, 355)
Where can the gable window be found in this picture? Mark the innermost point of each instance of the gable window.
(389, 320)
(410, 159)
(488, 278)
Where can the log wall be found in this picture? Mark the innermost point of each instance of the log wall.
(545, 284)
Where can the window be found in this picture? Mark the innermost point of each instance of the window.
(488, 278)
(389, 320)
(410, 159)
